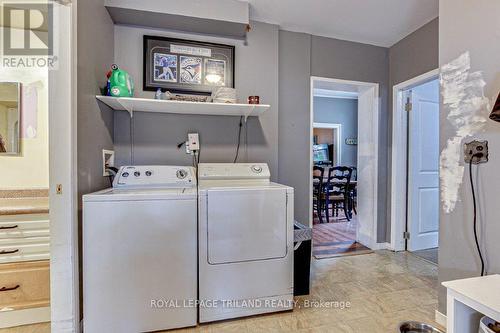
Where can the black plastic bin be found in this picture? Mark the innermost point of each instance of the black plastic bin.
(302, 259)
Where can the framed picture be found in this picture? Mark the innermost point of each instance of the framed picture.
(185, 66)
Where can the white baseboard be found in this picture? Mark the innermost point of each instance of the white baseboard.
(381, 246)
(24, 317)
(440, 318)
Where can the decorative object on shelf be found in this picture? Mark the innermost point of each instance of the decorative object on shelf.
(253, 100)
(120, 83)
(186, 98)
(186, 66)
(224, 95)
(351, 141)
(159, 94)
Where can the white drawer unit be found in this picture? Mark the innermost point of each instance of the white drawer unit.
(24, 238)
(21, 226)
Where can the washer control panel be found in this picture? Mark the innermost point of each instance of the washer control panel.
(155, 176)
(233, 171)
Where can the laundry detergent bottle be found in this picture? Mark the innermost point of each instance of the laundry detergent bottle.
(120, 83)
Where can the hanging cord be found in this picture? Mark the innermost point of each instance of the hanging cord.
(475, 212)
(132, 139)
(239, 140)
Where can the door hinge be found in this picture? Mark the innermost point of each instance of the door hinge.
(406, 235)
(408, 105)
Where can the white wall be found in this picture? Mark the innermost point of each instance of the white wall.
(31, 168)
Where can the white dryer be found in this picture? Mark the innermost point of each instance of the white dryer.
(245, 241)
(140, 251)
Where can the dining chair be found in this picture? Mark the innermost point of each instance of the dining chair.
(354, 190)
(318, 179)
(336, 191)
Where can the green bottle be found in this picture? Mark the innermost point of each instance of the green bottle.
(120, 83)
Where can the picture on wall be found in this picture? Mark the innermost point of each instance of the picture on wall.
(190, 70)
(165, 67)
(185, 66)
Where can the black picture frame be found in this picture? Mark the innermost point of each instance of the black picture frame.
(186, 66)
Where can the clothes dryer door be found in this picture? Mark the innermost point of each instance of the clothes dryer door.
(246, 224)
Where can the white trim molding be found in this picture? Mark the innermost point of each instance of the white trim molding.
(399, 157)
(64, 277)
(338, 138)
(440, 318)
(326, 93)
(368, 110)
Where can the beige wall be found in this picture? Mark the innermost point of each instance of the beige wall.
(31, 168)
(325, 135)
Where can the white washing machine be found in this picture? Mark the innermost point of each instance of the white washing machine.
(140, 251)
(245, 241)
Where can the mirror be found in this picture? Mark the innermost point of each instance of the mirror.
(10, 118)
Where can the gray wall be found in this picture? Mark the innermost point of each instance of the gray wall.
(331, 58)
(94, 121)
(414, 55)
(340, 111)
(95, 127)
(156, 136)
(477, 32)
(294, 118)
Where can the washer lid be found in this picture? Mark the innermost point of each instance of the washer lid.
(139, 194)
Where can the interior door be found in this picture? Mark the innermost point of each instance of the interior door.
(423, 167)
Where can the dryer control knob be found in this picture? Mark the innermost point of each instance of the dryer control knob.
(181, 174)
(137, 173)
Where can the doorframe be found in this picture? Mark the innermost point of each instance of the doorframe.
(64, 272)
(399, 176)
(338, 136)
(370, 239)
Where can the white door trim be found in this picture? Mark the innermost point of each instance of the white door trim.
(369, 240)
(64, 291)
(399, 157)
(338, 137)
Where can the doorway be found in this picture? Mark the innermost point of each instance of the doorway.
(344, 153)
(417, 134)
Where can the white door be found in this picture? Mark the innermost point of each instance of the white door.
(423, 173)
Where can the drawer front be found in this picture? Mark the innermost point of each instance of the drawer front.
(25, 249)
(20, 226)
(24, 284)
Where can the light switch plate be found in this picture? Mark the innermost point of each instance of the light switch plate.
(108, 159)
(476, 147)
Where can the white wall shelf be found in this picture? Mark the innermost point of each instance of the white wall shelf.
(132, 105)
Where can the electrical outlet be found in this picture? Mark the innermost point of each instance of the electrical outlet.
(478, 149)
(193, 141)
(108, 159)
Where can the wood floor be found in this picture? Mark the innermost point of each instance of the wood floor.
(382, 289)
(337, 238)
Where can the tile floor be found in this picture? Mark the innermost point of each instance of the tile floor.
(429, 254)
(383, 288)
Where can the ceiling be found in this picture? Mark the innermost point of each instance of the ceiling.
(376, 22)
